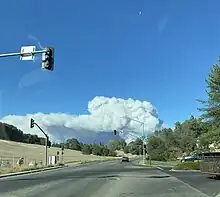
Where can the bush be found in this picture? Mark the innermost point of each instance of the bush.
(112, 153)
(86, 149)
(188, 166)
(97, 150)
(157, 156)
(105, 151)
(126, 149)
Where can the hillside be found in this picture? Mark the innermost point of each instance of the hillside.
(12, 151)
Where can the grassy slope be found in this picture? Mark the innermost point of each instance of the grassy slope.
(14, 150)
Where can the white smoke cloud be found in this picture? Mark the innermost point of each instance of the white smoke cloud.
(104, 115)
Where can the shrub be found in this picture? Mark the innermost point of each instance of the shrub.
(188, 166)
(86, 149)
(112, 153)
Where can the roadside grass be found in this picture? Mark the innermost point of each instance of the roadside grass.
(175, 165)
(187, 166)
(21, 169)
(11, 151)
(170, 164)
(91, 160)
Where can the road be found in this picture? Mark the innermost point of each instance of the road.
(202, 182)
(107, 179)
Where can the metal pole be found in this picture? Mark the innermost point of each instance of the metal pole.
(142, 123)
(144, 154)
(21, 54)
(46, 140)
(46, 150)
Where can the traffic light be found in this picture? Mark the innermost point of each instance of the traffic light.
(32, 123)
(115, 132)
(48, 59)
(49, 143)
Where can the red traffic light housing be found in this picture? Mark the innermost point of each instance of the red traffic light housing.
(115, 132)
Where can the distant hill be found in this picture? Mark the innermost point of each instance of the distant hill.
(12, 133)
(84, 136)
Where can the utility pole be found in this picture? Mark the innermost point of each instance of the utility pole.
(29, 52)
(47, 142)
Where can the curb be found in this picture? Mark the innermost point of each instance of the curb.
(184, 170)
(159, 168)
(30, 171)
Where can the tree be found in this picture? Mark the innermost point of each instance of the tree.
(87, 149)
(73, 144)
(211, 109)
(211, 137)
(97, 150)
(105, 151)
(156, 148)
(112, 153)
(126, 149)
(136, 147)
(116, 144)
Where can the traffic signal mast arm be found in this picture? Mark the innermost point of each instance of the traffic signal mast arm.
(47, 57)
(41, 130)
(21, 54)
(121, 131)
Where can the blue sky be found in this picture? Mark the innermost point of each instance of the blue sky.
(107, 48)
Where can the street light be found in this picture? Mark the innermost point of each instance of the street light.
(143, 133)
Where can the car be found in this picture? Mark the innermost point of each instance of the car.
(125, 159)
(193, 158)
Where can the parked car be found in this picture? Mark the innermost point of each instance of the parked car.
(191, 158)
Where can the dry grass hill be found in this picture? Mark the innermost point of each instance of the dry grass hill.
(12, 151)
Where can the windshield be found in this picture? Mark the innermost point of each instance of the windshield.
(109, 98)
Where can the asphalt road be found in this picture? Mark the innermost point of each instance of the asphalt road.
(206, 184)
(107, 179)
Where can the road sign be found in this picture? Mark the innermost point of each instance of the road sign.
(27, 52)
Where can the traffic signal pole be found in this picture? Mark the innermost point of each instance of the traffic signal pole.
(46, 138)
(144, 152)
(143, 133)
(46, 142)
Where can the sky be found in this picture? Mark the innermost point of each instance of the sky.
(154, 51)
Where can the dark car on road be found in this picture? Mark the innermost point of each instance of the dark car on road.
(125, 159)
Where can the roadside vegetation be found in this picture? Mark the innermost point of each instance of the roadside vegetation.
(187, 166)
(194, 135)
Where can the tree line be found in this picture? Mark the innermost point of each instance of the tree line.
(12, 133)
